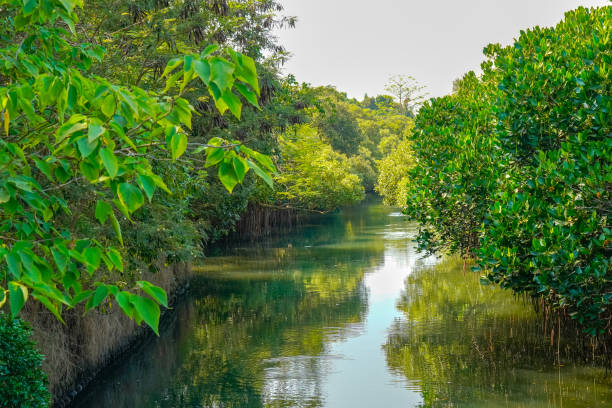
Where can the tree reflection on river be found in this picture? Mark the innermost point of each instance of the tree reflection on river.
(463, 344)
(344, 313)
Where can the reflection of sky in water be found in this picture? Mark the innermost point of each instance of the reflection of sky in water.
(356, 372)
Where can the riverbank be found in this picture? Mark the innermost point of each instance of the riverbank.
(78, 351)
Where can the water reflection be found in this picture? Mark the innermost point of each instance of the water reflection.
(462, 344)
(341, 314)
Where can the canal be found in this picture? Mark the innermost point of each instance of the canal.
(345, 313)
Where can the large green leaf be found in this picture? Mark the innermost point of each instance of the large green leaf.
(240, 168)
(157, 293)
(221, 72)
(265, 176)
(214, 156)
(95, 131)
(86, 147)
(148, 185)
(202, 68)
(228, 176)
(148, 310)
(109, 105)
(110, 162)
(103, 210)
(44, 168)
(18, 294)
(233, 102)
(98, 297)
(115, 258)
(178, 145)
(130, 196)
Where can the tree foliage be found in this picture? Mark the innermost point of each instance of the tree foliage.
(455, 168)
(313, 175)
(515, 167)
(65, 125)
(393, 179)
(22, 381)
(548, 232)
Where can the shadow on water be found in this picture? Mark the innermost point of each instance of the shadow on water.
(344, 313)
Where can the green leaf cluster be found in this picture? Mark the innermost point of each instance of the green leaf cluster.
(515, 167)
(22, 380)
(64, 126)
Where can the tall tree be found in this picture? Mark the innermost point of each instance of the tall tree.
(407, 92)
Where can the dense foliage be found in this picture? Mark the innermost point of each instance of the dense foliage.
(455, 168)
(313, 175)
(22, 381)
(103, 107)
(335, 155)
(548, 232)
(515, 167)
(393, 180)
(66, 127)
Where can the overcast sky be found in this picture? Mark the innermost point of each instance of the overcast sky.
(356, 45)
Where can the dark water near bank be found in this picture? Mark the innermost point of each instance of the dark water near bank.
(346, 314)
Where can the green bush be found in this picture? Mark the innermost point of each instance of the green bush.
(455, 167)
(22, 381)
(548, 232)
(516, 167)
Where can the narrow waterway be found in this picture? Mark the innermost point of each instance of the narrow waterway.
(345, 313)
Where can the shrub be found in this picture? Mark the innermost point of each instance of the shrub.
(548, 232)
(516, 167)
(22, 381)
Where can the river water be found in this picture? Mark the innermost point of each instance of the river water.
(345, 313)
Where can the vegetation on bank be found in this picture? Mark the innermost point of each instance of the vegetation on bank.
(78, 146)
(114, 120)
(89, 141)
(22, 382)
(515, 167)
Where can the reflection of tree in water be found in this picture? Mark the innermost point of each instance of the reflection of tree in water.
(255, 327)
(464, 344)
(243, 326)
(252, 338)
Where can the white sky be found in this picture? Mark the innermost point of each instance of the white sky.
(356, 45)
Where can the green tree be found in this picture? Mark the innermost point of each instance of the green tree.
(65, 126)
(548, 232)
(314, 176)
(393, 179)
(407, 92)
(515, 167)
(456, 168)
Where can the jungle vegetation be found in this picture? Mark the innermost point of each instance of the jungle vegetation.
(515, 168)
(126, 128)
(137, 133)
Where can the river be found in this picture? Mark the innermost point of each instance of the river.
(345, 313)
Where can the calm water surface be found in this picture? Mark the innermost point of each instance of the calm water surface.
(345, 313)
